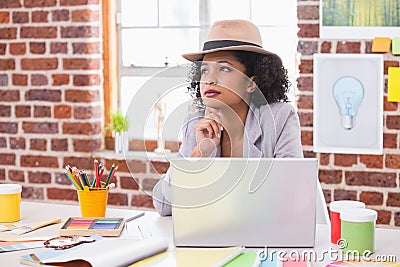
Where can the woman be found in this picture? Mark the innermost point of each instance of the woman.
(241, 91)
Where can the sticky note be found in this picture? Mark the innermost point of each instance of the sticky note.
(396, 46)
(394, 84)
(381, 45)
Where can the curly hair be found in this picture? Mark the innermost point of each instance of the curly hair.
(268, 74)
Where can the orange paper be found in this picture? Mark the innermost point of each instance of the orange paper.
(381, 45)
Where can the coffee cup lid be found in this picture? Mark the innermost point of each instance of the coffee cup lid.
(340, 205)
(359, 215)
(10, 188)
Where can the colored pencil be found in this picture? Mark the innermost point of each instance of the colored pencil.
(109, 175)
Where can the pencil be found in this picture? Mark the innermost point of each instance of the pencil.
(109, 175)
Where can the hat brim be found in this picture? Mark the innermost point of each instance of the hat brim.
(198, 56)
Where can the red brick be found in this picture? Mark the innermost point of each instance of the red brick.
(82, 95)
(40, 127)
(8, 127)
(86, 80)
(22, 111)
(4, 17)
(305, 83)
(389, 140)
(39, 80)
(308, 30)
(7, 159)
(43, 95)
(60, 15)
(59, 144)
(37, 47)
(341, 194)
(39, 161)
(393, 122)
(40, 16)
(2, 174)
(142, 201)
(79, 32)
(74, 2)
(305, 102)
(62, 111)
(10, 3)
(20, 79)
(307, 47)
(327, 195)
(90, 145)
(32, 193)
(128, 183)
(393, 199)
(345, 160)
(40, 3)
(61, 178)
(3, 142)
(384, 217)
(306, 119)
(397, 219)
(38, 144)
(330, 176)
(9, 95)
(309, 154)
(17, 143)
(87, 112)
(20, 17)
(62, 194)
(392, 161)
(307, 12)
(17, 49)
(149, 183)
(326, 47)
(7, 64)
(389, 106)
(39, 63)
(85, 128)
(60, 79)
(41, 112)
(17, 176)
(307, 138)
(85, 15)
(118, 199)
(86, 48)
(79, 162)
(3, 49)
(374, 179)
(371, 198)
(59, 48)
(5, 111)
(368, 47)
(39, 177)
(324, 159)
(39, 32)
(122, 167)
(306, 66)
(159, 167)
(81, 64)
(387, 64)
(348, 47)
(372, 161)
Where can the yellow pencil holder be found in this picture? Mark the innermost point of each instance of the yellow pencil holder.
(93, 202)
(10, 202)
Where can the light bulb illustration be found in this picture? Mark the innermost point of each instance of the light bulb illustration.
(348, 93)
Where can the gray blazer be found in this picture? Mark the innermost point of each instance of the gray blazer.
(270, 131)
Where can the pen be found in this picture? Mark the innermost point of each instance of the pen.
(135, 217)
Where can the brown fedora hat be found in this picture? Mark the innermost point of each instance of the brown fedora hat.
(231, 35)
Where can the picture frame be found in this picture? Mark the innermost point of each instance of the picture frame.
(348, 103)
(352, 19)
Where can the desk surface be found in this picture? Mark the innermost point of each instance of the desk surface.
(387, 241)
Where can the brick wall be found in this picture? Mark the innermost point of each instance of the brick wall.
(373, 179)
(51, 101)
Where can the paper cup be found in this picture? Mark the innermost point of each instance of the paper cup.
(93, 202)
(10, 202)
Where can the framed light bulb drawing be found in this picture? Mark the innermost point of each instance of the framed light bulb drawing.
(348, 103)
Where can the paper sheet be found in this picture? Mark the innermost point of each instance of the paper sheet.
(394, 84)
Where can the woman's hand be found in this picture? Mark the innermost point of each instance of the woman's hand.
(208, 133)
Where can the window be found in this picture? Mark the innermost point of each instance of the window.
(153, 34)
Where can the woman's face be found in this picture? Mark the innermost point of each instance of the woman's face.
(223, 82)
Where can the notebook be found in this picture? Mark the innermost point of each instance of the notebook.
(244, 202)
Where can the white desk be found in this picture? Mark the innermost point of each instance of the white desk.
(387, 240)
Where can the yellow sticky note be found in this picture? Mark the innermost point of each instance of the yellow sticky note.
(394, 84)
(381, 44)
(396, 46)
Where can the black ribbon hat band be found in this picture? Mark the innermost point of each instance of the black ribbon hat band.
(225, 43)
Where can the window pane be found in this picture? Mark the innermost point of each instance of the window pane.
(153, 47)
(269, 12)
(179, 13)
(139, 13)
(227, 9)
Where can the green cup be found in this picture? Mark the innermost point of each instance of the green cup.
(358, 231)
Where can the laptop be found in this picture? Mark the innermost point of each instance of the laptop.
(251, 202)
